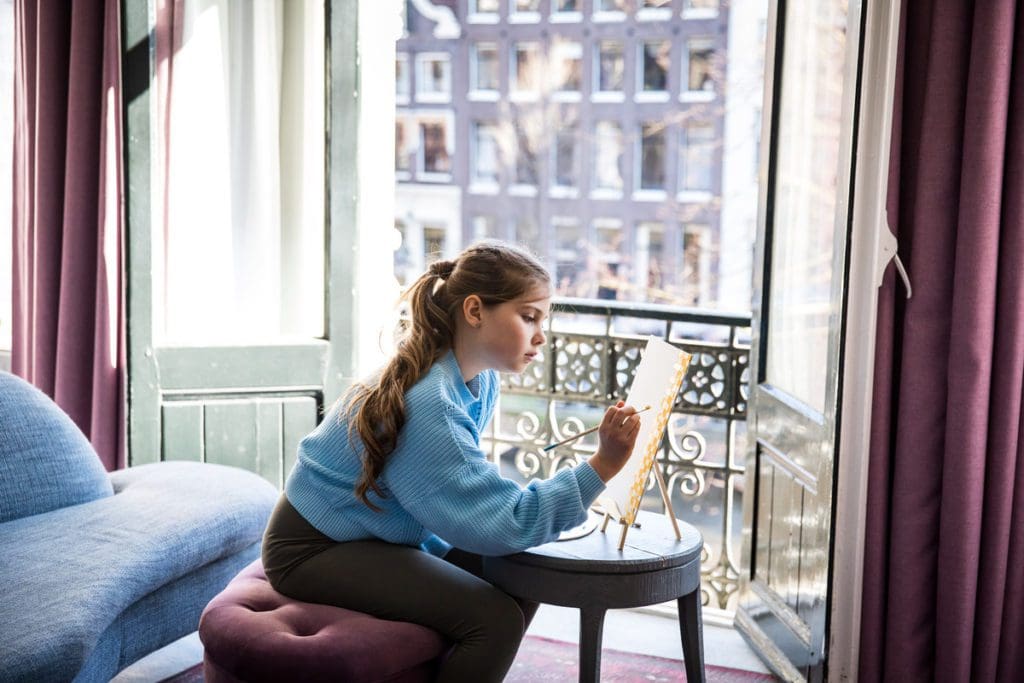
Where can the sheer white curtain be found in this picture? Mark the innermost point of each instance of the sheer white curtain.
(239, 245)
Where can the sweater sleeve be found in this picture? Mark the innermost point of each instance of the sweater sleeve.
(478, 510)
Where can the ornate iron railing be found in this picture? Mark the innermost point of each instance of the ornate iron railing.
(592, 351)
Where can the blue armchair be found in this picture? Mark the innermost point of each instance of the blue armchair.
(98, 569)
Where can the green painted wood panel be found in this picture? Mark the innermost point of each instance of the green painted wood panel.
(269, 435)
(229, 431)
(181, 435)
(300, 417)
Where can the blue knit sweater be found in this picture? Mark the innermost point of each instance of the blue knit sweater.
(438, 484)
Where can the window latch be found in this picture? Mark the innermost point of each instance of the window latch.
(887, 251)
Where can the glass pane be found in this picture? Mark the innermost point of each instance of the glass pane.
(486, 66)
(434, 145)
(565, 158)
(485, 153)
(242, 227)
(697, 157)
(6, 151)
(608, 156)
(526, 76)
(804, 221)
(611, 66)
(700, 64)
(652, 160)
(656, 64)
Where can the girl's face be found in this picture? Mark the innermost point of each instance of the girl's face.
(510, 334)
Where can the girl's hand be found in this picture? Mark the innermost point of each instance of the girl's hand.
(617, 436)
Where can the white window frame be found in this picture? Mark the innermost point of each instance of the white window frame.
(685, 94)
(483, 185)
(647, 96)
(478, 94)
(475, 16)
(698, 12)
(596, 93)
(422, 61)
(653, 13)
(434, 116)
(565, 16)
(515, 93)
(640, 193)
(606, 192)
(606, 15)
(404, 81)
(518, 16)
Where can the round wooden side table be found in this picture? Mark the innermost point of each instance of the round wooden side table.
(593, 575)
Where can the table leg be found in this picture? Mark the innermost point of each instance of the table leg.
(691, 628)
(591, 628)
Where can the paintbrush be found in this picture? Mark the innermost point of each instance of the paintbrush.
(582, 434)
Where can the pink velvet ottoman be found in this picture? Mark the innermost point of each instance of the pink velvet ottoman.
(252, 633)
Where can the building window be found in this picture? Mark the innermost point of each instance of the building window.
(483, 11)
(654, 10)
(433, 77)
(609, 260)
(565, 10)
(484, 153)
(699, 67)
(405, 269)
(485, 227)
(569, 244)
(696, 157)
(652, 271)
(567, 67)
(565, 169)
(608, 153)
(527, 144)
(609, 10)
(527, 233)
(652, 156)
(402, 78)
(435, 151)
(524, 11)
(525, 69)
(696, 9)
(402, 163)
(610, 67)
(434, 243)
(483, 68)
(692, 265)
(655, 64)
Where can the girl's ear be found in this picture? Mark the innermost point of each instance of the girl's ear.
(473, 310)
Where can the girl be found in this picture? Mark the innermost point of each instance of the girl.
(391, 503)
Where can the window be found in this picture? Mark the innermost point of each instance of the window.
(609, 10)
(524, 11)
(435, 150)
(527, 233)
(652, 156)
(433, 77)
(527, 144)
(525, 69)
(610, 67)
(405, 269)
(696, 157)
(484, 164)
(483, 11)
(564, 176)
(607, 170)
(567, 67)
(654, 10)
(699, 68)
(483, 68)
(655, 64)
(569, 244)
(402, 78)
(697, 9)
(484, 227)
(653, 273)
(691, 266)
(434, 243)
(612, 280)
(402, 162)
(565, 10)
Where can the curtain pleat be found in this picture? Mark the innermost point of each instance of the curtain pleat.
(67, 327)
(942, 596)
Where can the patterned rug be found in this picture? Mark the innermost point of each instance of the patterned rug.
(554, 661)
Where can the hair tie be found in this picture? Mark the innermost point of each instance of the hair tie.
(442, 269)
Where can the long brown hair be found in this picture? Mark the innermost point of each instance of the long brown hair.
(496, 272)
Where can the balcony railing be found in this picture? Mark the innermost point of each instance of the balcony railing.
(591, 355)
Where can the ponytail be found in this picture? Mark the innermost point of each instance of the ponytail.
(495, 272)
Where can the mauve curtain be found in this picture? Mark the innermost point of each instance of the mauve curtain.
(944, 562)
(68, 336)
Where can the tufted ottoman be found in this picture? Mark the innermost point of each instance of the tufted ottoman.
(251, 633)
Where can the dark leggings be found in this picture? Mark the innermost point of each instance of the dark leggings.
(401, 583)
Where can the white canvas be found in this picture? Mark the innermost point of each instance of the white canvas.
(656, 383)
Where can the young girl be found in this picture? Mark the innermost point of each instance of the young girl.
(391, 503)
